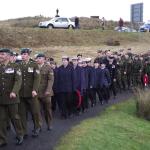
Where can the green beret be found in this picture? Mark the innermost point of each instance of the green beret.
(40, 55)
(25, 50)
(5, 50)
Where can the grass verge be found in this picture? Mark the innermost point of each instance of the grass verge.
(118, 128)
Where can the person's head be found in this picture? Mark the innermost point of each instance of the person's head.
(99, 53)
(51, 59)
(40, 59)
(96, 64)
(25, 54)
(80, 63)
(103, 65)
(121, 51)
(89, 61)
(12, 56)
(126, 56)
(65, 60)
(111, 59)
(136, 57)
(141, 58)
(84, 63)
(53, 65)
(75, 61)
(79, 56)
(4, 55)
(108, 53)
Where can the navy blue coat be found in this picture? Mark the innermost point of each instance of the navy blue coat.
(104, 78)
(78, 77)
(65, 79)
(91, 77)
(96, 77)
(85, 79)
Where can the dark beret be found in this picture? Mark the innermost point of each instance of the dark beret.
(5, 50)
(25, 50)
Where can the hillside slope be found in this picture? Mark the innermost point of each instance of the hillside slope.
(36, 37)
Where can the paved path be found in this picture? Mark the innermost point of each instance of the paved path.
(47, 140)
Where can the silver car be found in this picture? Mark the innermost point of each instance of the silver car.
(58, 22)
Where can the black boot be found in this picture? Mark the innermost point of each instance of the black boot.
(19, 140)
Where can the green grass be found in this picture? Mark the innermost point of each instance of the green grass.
(118, 128)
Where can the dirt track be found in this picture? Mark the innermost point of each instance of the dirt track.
(48, 140)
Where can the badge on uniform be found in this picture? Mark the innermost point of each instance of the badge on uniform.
(9, 70)
(19, 72)
(30, 69)
(37, 71)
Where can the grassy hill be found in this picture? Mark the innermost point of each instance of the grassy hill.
(23, 32)
(35, 37)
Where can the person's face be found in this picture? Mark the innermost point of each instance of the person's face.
(65, 62)
(40, 60)
(99, 54)
(25, 56)
(96, 65)
(84, 64)
(4, 57)
(89, 63)
(53, 66)
(126, 56)
(102, 65)
(80, 64)
(111, 61)
(115, 56)
(108, 53)
(79, 57)
(141, 58)
(75, 62)
(12, 58)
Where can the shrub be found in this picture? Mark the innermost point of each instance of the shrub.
(143, 103)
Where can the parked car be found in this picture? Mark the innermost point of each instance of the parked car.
(145, 27)
(124, 29)
(58, 22)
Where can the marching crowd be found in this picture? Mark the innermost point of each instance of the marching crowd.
(34, 84)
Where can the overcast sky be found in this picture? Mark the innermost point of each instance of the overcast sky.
(110, 9)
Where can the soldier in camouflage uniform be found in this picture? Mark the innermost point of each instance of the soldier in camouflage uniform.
(137, 72)
(10, 83)
(123, 71)
(45, 91)
(129, 64)
(118, 77)
(28, 92)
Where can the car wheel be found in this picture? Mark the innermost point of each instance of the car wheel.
(70, 27)
(50, 26)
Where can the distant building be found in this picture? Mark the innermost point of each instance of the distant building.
(137, 12)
